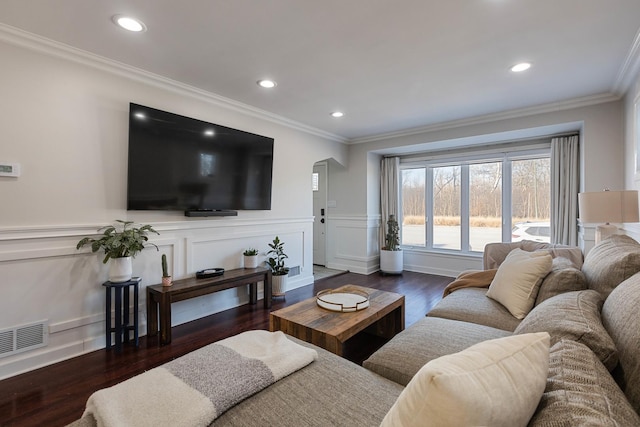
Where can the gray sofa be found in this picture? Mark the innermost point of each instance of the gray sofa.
(594, 367)
(591, 310)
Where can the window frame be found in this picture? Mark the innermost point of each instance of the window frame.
(429, 161)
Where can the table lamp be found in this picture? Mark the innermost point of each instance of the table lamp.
(608, 206)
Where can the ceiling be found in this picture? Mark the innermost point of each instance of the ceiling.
(388, 65)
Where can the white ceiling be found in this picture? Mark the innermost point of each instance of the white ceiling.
(389, 65)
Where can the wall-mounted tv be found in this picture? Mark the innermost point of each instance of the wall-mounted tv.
(180, 163)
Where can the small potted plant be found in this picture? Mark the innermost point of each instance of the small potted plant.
(166, 278)
(120, 243)
(276, 264)
(391, 261)
(250, 258)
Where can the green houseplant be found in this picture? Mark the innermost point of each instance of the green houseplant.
(120, 243)
(391, 261)
(250, 258)
(276, 263)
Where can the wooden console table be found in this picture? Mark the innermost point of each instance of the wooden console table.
(163, 296)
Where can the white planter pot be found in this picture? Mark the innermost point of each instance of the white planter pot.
(279, 285)
(120, 269)
(391, 262)
(250, 261)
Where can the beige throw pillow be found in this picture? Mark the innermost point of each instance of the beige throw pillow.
(518, 279)
(494, 383)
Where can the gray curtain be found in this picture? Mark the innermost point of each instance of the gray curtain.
(389, 192)
(565, 161)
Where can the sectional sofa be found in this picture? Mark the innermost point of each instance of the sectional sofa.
(591, 311)
(576, 359)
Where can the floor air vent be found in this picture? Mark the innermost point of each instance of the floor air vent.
(294, 271)
(23, 338)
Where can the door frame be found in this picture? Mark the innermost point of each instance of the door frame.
(325, 182)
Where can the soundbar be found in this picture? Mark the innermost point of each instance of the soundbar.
(210, 212)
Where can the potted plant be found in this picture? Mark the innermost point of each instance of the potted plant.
(166, 278)
(120, 243)
(276, 264)
(391, 261)
(250, 258)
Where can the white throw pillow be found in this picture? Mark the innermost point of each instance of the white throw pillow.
(494, 383)
(518, 279)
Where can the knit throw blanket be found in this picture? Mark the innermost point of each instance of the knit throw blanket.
(195, 389)
(471, 279)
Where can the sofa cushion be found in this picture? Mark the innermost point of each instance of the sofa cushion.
(580, 391)
(621, 318)
(495, 253)
(518, 279)
(563, 277)
(611, 262)
(493, 383)
(472, 305)
(425, 340)
(574, 316)
(337, 384)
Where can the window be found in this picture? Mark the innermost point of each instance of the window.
(485, 204)
(461, 204)
(413, 207)
(446, 207)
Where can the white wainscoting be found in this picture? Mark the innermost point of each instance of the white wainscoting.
(352, 243)
(440, 263)
(45, 277)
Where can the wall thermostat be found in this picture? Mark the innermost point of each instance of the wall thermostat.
(10, 169)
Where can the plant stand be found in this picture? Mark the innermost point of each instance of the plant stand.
(122, 326)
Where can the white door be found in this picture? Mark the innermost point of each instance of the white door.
(319, 213)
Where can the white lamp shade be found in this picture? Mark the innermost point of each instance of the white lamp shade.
(608, 206)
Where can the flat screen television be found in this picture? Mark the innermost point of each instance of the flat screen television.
(180, 163)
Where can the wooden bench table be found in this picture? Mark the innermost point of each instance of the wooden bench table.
(163, 296)
(330, 329)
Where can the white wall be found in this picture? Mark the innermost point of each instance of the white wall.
(64, 118)
(602, 157)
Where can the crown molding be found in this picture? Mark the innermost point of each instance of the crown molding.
(488, 118)
(629, 69)
(34, 42)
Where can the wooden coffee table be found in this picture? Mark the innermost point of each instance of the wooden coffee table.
(330, 329)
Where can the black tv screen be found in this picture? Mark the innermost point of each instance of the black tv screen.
(180, 163)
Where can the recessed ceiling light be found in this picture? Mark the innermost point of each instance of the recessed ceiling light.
(521, 67)
(129, 23)
(268, 84)
(337, 114)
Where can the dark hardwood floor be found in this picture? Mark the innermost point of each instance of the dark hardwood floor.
(56, 395)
